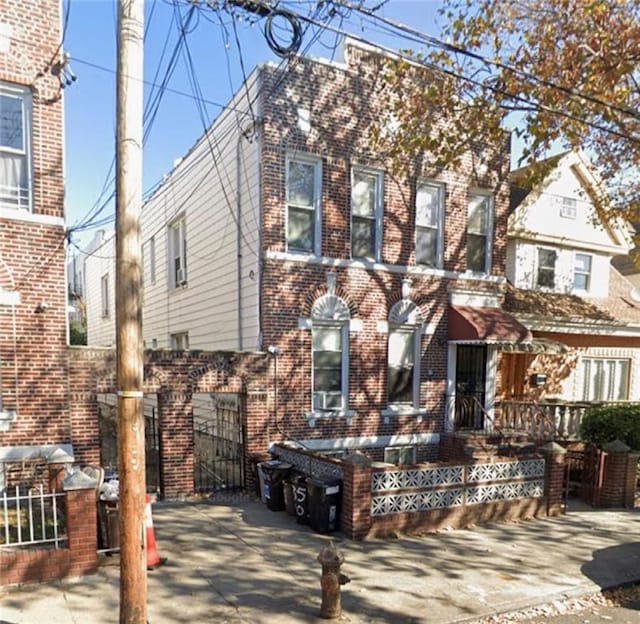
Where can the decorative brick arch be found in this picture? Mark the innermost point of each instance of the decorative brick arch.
(174, 376)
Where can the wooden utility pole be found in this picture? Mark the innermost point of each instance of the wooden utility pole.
(131, 460)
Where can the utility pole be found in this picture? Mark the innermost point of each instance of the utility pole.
(131, 459)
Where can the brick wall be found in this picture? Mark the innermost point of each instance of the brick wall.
(344, 105)
(33, 344)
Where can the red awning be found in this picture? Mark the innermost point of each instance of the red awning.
(483, 324)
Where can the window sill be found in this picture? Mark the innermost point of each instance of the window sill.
(402, 410)
(312, 417)
(6, 418)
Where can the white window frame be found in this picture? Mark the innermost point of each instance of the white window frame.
(177, 273)
(21, 202)
(537, 284)
(390, 451)
(568, 208)
(316, 400)
(179, 341)
(439, 222)
(376, 218)
(488, 247)
(315, 207)
(415, 334)
(104, 296)
(577, 271)
(152, 260)
(608, 386)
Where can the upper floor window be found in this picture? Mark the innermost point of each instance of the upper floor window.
(582, 271)
(568, 208)
(605, 379)
(104, 295)
(152, 260)
(366, 213)
(546, 276)
(303, 194)
(479, 231)
(15, 147)
(429, 224)
(330, 354)
(180, 341)
(178, 253)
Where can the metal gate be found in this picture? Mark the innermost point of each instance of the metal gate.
(108, 427)
(584, 474)
(218, 443)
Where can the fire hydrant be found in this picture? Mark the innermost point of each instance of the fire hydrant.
(330, 582)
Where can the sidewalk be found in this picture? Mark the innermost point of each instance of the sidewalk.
(234, 561)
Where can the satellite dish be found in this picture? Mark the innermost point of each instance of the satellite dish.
(635, 294)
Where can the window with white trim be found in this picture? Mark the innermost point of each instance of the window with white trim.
(152, 260)
(546, 273)
(180, 341)
(581, 271)
(429, 223)
(330, 354)
(403, 355)
(479, 226)
(303, 182)
(15, 147)
(568, 208)
(104, 295)
(366, 213)
(177, 253)
(605, 379)
(400, 455)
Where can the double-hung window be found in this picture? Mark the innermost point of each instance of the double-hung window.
(402, 365)
(605, 379)
(303, 180)
(581, 271)
(15, 147)
(152, 260)
(330, 319)
(546, 275)
(479, 219)
(178, 253)
(104, 295)
(179, 341)
(429, 223)
(366, 213)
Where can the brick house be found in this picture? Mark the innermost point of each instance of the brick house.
(34, 403)
(379, 297)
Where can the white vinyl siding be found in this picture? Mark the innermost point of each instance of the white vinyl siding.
(15, 147)
(429, 224)
(367, 190)
(99, 293)
(215, 186)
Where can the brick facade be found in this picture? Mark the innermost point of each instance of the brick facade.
(344, 103)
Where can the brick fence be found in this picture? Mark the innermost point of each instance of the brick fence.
(378, 500)
(78, 557)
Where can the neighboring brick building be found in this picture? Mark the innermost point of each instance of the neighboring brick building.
(378, 296)
(34, 400)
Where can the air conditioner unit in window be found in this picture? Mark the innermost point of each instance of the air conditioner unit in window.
(328, 401)
(180, 277)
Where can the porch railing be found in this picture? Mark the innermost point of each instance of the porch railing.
(32, 517)
(543, 420)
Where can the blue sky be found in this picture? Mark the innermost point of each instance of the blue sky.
(90, 101)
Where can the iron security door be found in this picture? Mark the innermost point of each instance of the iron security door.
(471, 367)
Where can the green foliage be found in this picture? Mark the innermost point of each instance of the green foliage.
(607, 423)
(77, 334)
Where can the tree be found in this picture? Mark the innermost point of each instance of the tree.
(567, 68)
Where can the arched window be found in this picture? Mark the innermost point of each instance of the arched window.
(330, 354)
(403, 371)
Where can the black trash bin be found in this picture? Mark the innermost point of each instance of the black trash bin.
(301, 499)
(274, 472)
(324, 505)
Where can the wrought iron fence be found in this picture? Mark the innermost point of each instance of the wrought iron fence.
(33, 517)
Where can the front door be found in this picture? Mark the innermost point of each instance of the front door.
(471, 367)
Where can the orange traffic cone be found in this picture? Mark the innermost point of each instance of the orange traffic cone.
(153, 559)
